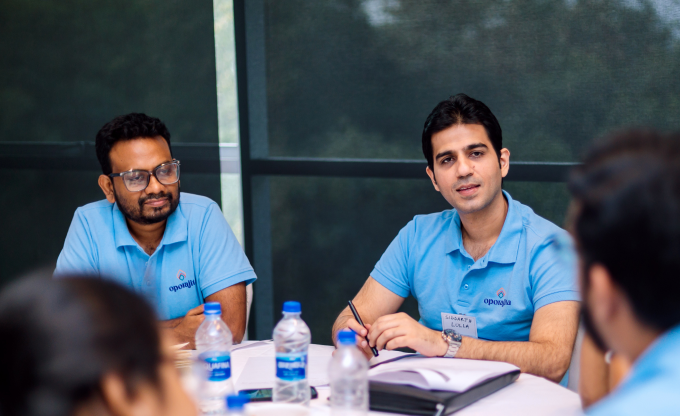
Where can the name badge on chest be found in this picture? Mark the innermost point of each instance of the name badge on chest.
(462, 324)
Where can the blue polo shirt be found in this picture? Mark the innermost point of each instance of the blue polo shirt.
(530, 265)
(198, 255)
(652, 387)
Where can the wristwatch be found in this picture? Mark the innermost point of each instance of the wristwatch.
(454, 340)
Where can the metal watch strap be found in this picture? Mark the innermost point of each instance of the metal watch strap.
(454, 340)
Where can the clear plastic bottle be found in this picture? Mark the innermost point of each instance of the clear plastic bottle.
(348, 373)
(213, 342)
(291, 342)
(236, 403)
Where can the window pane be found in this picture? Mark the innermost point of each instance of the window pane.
(358, 78)
(328, 233)
(70, 66)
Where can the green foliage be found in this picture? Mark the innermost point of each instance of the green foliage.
(555, 73)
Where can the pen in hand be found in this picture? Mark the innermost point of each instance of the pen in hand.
(358, 318)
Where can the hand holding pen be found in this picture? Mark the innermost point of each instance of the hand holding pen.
(358, 319)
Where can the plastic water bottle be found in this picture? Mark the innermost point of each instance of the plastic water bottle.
(213, 342)
(348, 373)
(236, 403)
(291, 342)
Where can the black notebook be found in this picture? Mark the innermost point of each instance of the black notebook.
(422, 386)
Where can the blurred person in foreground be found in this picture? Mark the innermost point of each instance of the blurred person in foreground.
(80, 347)
(489, 275)
(627, 231)
(175, 249)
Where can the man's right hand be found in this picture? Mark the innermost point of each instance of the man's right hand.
(361, 332)
(185, 331)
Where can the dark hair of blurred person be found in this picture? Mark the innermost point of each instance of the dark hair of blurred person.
(127, 127)
(79, 346)
(627, 229)
(460, 109)
(602, 370)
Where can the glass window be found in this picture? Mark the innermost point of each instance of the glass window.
(358, 78)
(70, 66)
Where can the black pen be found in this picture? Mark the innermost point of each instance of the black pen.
(358, 318)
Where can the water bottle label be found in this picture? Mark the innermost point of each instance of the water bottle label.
(291, 367)
(218, 368)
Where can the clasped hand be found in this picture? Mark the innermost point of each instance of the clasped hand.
(399, 330)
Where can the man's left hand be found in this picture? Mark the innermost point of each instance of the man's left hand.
(400, 330)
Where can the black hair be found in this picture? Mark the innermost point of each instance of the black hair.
(60, 337)
(460, 109)
(127, 127)
(627, 219)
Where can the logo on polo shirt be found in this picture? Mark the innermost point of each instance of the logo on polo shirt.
(181, 275)
(502, 302)
(188, 284)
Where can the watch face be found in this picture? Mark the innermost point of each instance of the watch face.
(452, 335)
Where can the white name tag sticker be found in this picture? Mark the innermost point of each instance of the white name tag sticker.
(462, 324)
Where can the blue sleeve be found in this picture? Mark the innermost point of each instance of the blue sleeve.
(79, 255)
(553, 271)
(222, 260)
(392, 269)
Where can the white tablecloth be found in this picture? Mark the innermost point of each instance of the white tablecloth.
(529, 395)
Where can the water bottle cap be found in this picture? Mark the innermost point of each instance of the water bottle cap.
(347, 337)
(212, 308)
(292, 306)
(237, 401)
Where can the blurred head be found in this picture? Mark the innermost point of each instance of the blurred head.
(83, 346)
(627, 229)
(136, 141)
(462, 142)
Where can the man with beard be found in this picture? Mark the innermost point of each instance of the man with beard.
(627, 231)
(176, 249)
(493, 280)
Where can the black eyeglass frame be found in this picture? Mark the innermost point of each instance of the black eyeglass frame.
(149, 172)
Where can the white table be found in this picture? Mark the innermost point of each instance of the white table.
(529, 395)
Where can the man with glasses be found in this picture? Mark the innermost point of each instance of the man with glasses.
(176, 249)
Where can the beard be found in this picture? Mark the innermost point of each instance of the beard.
(134, 211)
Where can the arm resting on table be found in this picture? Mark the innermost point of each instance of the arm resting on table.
(548, 351)
(233, 301)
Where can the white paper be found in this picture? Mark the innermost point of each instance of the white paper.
(462, 324)
(449, 374)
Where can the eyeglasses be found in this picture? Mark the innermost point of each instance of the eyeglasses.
(137, 180)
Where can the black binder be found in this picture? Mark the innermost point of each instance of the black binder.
(397, 398)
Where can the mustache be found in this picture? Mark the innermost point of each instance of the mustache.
(159, 195)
